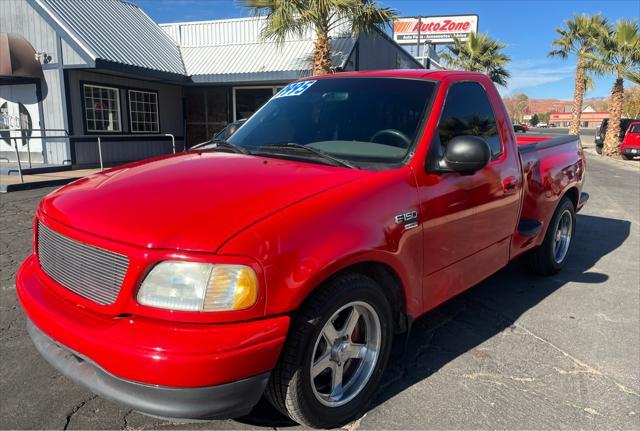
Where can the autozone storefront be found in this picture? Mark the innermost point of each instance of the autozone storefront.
(419, 35)
(587, 119)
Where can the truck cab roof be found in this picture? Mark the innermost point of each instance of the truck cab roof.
(435, 75)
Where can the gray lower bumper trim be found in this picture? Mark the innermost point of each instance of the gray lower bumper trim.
(214, 402)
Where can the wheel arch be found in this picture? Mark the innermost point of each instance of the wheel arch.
(573, 194)
(386, 277)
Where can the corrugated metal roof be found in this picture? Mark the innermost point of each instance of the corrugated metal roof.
(234, 50)
(120, 32)
(292, 56)
(232, 31)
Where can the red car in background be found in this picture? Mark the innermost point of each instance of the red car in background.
(630, 146)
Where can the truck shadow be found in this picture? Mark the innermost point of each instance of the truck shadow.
(466, 321)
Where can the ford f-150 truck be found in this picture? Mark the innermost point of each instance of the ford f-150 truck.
(283, 260)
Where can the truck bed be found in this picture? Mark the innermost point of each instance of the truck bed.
(551, 167)
(529, 142)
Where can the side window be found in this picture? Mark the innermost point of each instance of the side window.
(467, 111)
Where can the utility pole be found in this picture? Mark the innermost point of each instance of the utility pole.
(418, 42)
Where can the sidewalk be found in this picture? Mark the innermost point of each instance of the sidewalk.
(589, 147)
(9, 183)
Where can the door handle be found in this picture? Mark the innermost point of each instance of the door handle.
(509, 184)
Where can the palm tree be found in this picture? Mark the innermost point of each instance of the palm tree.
(479, 53)
(618, 53)
(285, 17)
(579, 38)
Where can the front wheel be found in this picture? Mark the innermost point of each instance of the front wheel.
(628, 156)
(552, 255)
(335, 354)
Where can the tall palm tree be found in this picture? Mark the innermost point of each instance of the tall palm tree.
(618, 54)
(580, 37)
(285, 17)
(479, 53)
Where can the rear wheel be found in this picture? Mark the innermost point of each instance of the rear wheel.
(599, 149)
(335, 354)
(552, 255)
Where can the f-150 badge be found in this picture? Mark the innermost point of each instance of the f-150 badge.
(409, 219)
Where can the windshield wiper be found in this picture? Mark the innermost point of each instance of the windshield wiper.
(334, 160)
(221, 143)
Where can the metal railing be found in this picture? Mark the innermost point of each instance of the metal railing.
(98, 138)
(27, 138)
(101, 138)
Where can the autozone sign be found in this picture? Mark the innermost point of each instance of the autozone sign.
(434, 29)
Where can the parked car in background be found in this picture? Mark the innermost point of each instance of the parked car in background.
(520, 128)
(630, 146)
(223, 134)
(284, 260)
(542, 125)
(229, 129)
(601, 131)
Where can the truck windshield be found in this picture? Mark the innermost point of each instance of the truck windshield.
(362, 121)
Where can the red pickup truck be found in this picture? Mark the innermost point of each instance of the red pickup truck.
(283, 260)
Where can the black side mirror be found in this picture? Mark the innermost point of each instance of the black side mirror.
(465, 154)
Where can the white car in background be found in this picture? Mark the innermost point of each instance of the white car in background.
(543, 125)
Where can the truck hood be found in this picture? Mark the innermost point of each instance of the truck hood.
(192, 201)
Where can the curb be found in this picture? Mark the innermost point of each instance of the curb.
(633, 165)
(35, 185)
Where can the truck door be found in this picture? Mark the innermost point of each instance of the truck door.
(468, 219)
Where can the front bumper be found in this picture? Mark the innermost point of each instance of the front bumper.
(140, 352)
(222, 401)
(631, 151)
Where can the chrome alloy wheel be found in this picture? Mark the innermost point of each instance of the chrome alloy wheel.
(345, 354)
(562, 238)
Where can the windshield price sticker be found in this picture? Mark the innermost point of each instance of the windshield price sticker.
(295, 89)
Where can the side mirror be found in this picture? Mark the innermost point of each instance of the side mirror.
(465, 154)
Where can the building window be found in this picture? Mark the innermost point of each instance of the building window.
(143, 111)
(102, 108)
(247, 100)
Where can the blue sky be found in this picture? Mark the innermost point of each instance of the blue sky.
(527, 27)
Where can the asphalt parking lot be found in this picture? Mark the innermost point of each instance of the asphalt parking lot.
(515, 352)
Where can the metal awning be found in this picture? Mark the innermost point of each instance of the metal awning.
(18, 58)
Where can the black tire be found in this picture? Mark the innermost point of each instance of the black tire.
(289, 388)
(599, 149)
(541, 260)
(628, 156)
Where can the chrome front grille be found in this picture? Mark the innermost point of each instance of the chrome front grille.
(91, 272)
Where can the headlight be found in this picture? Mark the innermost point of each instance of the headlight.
(192, 286)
